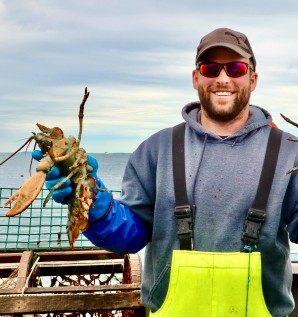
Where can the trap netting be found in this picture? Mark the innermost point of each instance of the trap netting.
(37, 227)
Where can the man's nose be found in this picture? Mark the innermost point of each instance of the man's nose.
(222, 77)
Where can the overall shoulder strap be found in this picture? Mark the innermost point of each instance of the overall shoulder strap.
(256, 215)
(179, 164)
(183, 210)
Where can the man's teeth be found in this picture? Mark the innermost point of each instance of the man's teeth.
(223, 93)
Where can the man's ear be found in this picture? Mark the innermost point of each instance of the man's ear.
(195, 79)
(253, 80)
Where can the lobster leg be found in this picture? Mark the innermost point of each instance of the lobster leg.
(62, 158)
(293, 170)
(69, 176)
(293, 140)
(25, 196)
(80, 160)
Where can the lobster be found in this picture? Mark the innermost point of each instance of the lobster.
(294, 169)
(72, 161)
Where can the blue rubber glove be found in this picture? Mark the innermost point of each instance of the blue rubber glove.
(53, 177)
(61, 195)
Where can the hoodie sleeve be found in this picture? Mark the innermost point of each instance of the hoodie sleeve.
(127, 227)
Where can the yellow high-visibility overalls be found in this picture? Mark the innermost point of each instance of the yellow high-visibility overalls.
(215, 284)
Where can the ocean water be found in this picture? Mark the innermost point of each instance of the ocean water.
(16, 170)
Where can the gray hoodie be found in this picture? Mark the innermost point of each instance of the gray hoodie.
(222, 176)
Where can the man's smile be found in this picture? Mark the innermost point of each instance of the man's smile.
(223, 93)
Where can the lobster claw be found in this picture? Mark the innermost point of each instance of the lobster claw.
(25, 196)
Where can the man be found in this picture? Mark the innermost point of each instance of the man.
(225, 144)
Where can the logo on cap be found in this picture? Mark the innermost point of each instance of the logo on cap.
(237, 37)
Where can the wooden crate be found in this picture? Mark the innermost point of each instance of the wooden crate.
(70, 283)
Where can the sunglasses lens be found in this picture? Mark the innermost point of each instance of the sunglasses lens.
(236, 69)
(210, 69)
(233, 69)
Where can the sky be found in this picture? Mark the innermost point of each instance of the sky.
(136, 58)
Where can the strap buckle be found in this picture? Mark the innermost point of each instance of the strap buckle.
(184, 219)
(252, 226)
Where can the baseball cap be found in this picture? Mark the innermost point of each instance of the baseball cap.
(224, 37)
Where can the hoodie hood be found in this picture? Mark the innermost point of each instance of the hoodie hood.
(258, 117)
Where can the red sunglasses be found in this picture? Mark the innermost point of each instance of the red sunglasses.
(232, 69)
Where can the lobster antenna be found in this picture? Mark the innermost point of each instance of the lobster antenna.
(81, 115)
(27, 142)
(289, 120)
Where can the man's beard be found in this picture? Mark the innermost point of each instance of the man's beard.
(239, 104)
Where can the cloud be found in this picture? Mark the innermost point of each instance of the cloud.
(136, 59)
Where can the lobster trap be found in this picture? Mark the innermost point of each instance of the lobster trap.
(41, 276)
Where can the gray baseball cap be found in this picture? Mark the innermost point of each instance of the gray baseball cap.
(223, 37)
